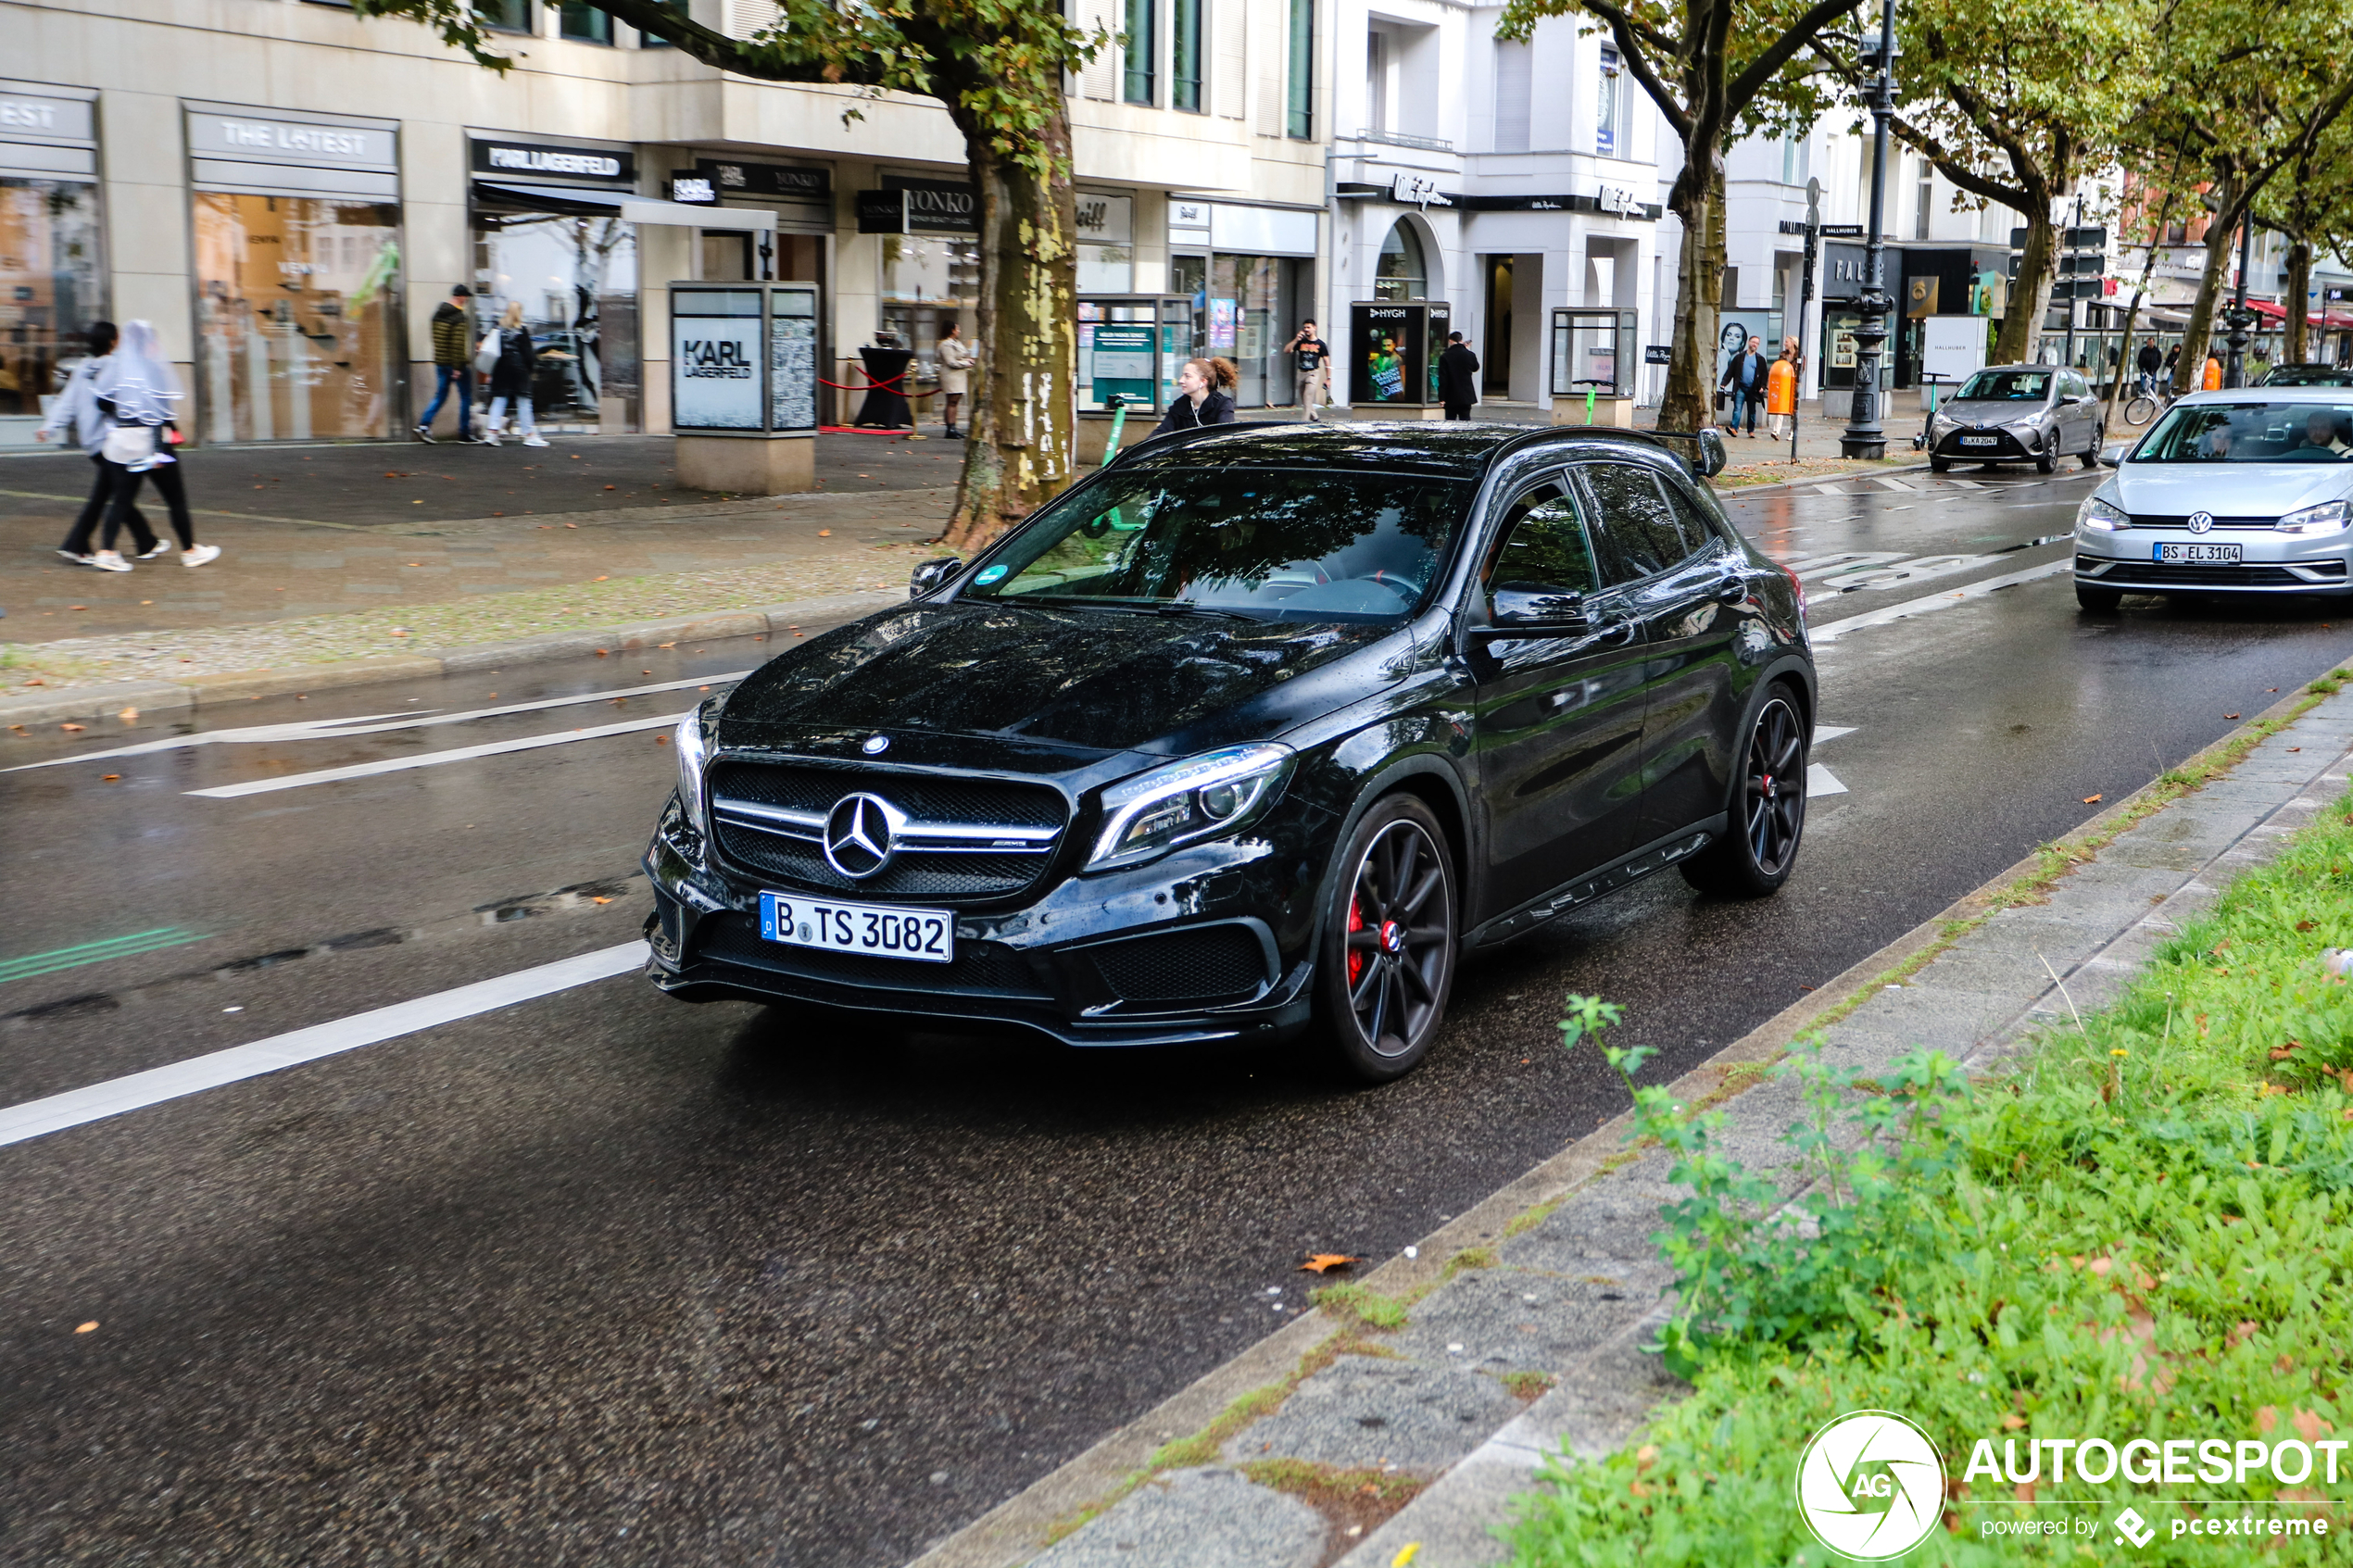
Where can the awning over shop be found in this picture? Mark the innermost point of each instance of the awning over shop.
(2268, 310)
(635, 209)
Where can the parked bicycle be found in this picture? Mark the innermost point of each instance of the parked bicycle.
(2144, 407)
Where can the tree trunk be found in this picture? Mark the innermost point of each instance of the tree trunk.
(1024, 424)
(2299, 286)
(2196, 337)
(2030, 299)
(1688, 404)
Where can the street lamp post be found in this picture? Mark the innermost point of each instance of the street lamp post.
(1864, 437)
(2239, 317)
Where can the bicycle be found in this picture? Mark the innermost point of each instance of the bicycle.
(2142, 407)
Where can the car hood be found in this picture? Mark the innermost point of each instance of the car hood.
(1991, 410)
(2228, 489)
(1099, 680)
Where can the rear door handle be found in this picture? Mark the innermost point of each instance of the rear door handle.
(1615, 632)
(1733, 590)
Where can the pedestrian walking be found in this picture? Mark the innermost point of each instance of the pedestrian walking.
(138, 394)
(453, 356)
(510, 378)
(1780, 392)
(1311, 368)
(1457, 373)
(75, 412)
(1746, 376)
(1203, 397)
(956, 359)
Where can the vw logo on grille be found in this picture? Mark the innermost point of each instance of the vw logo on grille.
(860, 835)
(2201, 521)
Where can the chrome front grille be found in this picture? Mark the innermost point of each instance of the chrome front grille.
(950, 838)
(2236, 524)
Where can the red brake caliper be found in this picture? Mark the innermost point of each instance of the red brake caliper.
(1356, 955)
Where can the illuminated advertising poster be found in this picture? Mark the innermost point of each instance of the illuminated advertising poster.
(715, 360)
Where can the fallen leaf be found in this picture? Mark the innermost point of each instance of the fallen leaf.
(822, 533)
(108, 778)
(600, 579)
(661, 740)
(601, 653)
(1323, 1261)
(87, 1327)
(77, 607)
(400, 631)
(129, 715)
(2013, 1420)
(1405, 1554)
(2093, 800)
(595, 901)
(665, 645)
(612, 487)
(71, 729)
(2229, 715)
(2305, 924)
(2310, 1425)
(2281, 1053)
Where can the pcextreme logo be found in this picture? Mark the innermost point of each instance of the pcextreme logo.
(1870, 1486)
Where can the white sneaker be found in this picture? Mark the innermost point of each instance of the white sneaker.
(72, 560)
(110, 561)
(152, 551)
(490, 438)
(534, 439)
(200, 555)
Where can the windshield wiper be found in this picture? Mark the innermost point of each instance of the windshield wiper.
(1187, 606)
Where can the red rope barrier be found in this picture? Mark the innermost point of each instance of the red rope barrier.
(873, 385)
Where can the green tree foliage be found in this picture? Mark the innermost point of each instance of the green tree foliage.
(997, 66)
(2311, 207)
(1718, 70)
(2013, 101)
(2245, 89)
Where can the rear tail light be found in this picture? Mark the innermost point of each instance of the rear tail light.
(1795, 585)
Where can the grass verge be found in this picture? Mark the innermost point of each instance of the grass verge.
(2148, 1235)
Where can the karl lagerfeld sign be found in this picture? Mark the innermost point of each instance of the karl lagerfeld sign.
(544, 160)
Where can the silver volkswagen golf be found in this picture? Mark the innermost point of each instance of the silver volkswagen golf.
(2247, 492)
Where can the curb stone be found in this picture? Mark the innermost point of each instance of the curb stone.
(199, 691)
(1570, 1277)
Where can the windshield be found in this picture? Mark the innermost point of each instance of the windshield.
(2308, 375)
(1280, 544)
(2006, 386)
(2250, 432)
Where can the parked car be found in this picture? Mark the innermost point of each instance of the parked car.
(2019, 414)
(1256, 728)
(2307, 375)
(2244, 491)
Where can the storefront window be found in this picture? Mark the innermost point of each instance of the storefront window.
(297, 334)
(577, 277)
(1253, 301)
(1400, 273)
(52, 279)
(1106, 269)
(928, 280)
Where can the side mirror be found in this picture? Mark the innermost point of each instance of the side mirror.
(2112, 456)
(1521, 611)
(932, 575)
(1712, 455)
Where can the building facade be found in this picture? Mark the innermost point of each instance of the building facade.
(288, 191)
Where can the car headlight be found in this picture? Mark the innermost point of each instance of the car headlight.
(2095, 516)
(1213, 793)
(2326, 518)
(692, 741)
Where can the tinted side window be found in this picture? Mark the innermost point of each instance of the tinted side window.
(1635, 528)
(1544, 547)
(1699, 531)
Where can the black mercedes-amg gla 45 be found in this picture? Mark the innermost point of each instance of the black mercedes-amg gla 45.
(1253, 732)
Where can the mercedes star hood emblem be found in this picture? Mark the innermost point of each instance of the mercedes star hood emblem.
(861, 834)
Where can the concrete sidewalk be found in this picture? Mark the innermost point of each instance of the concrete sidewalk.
(1514, 1333)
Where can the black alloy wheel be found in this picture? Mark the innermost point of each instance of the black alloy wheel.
(1389, 941)
(1767, 814)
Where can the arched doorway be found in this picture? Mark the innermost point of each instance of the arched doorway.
(1402, 271)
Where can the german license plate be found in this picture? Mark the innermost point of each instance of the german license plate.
(878, 931)
(2200, 554)
(1981, 441)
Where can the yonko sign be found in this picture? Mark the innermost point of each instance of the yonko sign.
(1871, 1487)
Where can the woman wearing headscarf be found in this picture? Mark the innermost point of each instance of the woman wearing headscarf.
(518, 362)
(138, 394)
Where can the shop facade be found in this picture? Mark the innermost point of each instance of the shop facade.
(54, 279)
(1251, 271)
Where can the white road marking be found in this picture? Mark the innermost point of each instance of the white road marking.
(1933, 602)
(1831, 732)
(364, 723)
(1887, 484)
(1821, 781)
(39, 1117)
(434, 759)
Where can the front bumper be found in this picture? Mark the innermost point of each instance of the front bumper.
(1211, 942)
(2270, 562)
(2007, 447)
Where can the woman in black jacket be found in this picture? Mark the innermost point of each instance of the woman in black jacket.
(511, 377)
(1203, 385)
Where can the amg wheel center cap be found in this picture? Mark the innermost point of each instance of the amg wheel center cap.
(1769, 789)
(861, 834)
(1393, 936)
(2201, 521)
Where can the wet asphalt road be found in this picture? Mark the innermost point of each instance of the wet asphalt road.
(602, 1278)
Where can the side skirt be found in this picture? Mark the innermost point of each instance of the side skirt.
(1655, 856)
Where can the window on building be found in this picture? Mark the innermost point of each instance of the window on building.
(1400, 273)
(1140, 83)
(1797, 159)
(585, 23)
(512, 15)
(647, 40)
(1300, 109)
(1513, 89)
(1927, 204)
(1609, 107)
(1376, 81)
(1183, 54)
